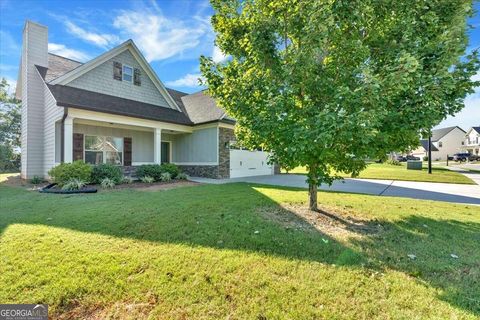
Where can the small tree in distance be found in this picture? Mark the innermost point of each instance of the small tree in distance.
(329, 84)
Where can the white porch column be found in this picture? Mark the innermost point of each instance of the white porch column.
(157, 146)
(68, 140)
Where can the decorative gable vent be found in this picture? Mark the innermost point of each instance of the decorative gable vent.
(136, 77)
(117, 70)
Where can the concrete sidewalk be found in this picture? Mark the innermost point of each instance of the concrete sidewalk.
(458, 193)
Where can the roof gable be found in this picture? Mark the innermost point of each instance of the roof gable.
(128, 51)
(440, 133)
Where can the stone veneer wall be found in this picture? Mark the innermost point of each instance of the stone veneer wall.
(224, 137)
(200, 171)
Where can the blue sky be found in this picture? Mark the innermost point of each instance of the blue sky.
(171, 35)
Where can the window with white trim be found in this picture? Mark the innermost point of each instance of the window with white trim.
(101, 149)
(127, 73)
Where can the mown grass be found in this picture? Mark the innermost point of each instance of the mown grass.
(385, 171)
(208, 252)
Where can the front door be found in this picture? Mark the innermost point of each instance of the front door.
(165, 152)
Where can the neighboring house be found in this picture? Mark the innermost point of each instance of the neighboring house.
(445, 141)
(114, 109)
(472, 140)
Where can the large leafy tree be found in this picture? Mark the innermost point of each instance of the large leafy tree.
(10, 128)
(328, 84)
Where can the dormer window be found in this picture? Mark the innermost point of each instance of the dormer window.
(127, 73)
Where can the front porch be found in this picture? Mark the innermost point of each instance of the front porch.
(118, 140)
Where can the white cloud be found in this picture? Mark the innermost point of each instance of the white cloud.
(101, 40)
(218, 55)
(63, 51)
(160, 37)
(189, 80)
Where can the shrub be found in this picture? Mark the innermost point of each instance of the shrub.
(425, 158)
(36, 180)
(155, 171)
(107, 183)
(127, 180)
(166, 176)
(181, 176)
(151, 170)
(74, 184)
(147, 179)
(394, 162)
(110, 171)
(170, 168)
(64, 172)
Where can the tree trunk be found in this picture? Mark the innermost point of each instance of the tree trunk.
(312, 187)
(312, 196)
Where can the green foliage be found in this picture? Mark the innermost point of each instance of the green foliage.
(107, 183)
(166, 176)
(10, 117)
(171, 168)
(394, 162)
(73, 184)
(155, 171)
(425, 158)
(106, 170)
(10, 129)
(151, 170)
(327, 84)
(36, 180)
(64, 172)
(9, 160)
(181, 176)
(147, 179)
(127, 180)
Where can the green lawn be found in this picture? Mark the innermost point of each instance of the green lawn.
(232, 252)
(391, 172)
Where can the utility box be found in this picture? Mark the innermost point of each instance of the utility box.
(414, 165)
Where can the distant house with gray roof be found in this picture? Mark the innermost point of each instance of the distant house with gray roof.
(445, 141)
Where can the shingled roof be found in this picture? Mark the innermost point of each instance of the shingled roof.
(58, 66)
(197, 108)
(440, 133)
(202, 108)
(82, 99)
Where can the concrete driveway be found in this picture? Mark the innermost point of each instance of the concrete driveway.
(458, 193)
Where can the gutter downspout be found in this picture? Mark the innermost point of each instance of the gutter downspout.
(62, 136)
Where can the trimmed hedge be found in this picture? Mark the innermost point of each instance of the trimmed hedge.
(64, 172)
(155, 171)
(109, 171)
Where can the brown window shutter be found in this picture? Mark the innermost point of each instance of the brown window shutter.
(127, 151)
(117, 70)
(77, 146)
(136, 77)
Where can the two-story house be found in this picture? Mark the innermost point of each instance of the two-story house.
(472, 140)
(115, 109)
(445, 141)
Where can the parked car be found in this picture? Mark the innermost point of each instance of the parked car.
(401, 158)
(474, 157)
(461, 157)
(410, 157)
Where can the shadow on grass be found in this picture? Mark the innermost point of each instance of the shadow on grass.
(227, 217)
